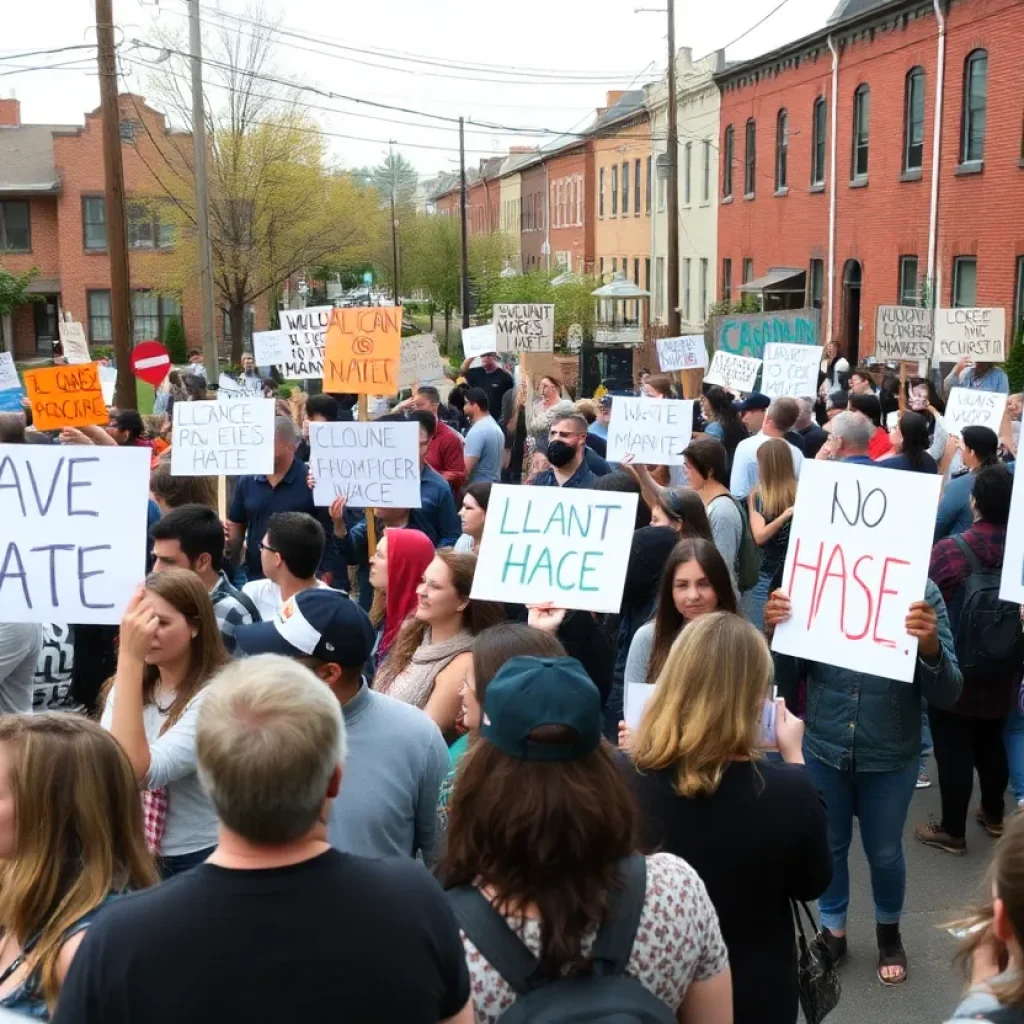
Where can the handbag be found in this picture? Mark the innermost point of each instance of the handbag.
(817, 973)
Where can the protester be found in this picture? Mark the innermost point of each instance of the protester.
(806, 426)
(599, 428)
(128, 430)
(976, 376)
(849, 440)
(869, 406)
(52, 685)
(490, 376)
(723, 424)
(837, 402)
(707, 463)
(351, 541)
(566, 451)
(621, 482)
(681, 510)
(541, 839)
(861, 382)
(169, 650)
(396, 755)
(659, 385)
(473, 515)
(541, 411)
(770, 507)
(192, 537)
(588, 409)
(921, 397)
(980, 448)
(277, 926)
(833, 370)
(910, 441)
(778, 422)
(290, 551)
(436, 516)
(170, 491)
(445, 453)
(752, 411)
(395, 580)
(20, 643)
(753, 829)
(249, 371)
(485, 440)
(195, 364)
(319, 409)
(862, 746)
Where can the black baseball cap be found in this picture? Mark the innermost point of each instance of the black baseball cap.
(316, 623)
(754, 401)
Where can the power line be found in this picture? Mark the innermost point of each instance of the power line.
(45, 53)
(757, 24)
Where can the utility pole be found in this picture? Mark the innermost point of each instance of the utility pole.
(195, 48)
(125, 396)
(394, 228)
(462, 226)
(674, 327)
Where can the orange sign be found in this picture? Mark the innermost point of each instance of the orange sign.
(363, 350)
(66, 396)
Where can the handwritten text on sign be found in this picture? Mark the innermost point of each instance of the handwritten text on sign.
(272, 348)
(525, 327)
(903, 333)
(478, 341)
(738, 373)
(10, 386)
(218, 438)
(66, 396)
(978, 334)
(74, 541)
(369, 464)
(970, 408)
(857, 559)
(305, 330)
(685, 353)
(420, 361)
(746, 334)
(790, 370)
(653, 431)
(363, 351)
(552, 544)
(72, 340)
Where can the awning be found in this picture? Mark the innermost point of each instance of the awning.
(620, 288)
(44, 286)
(778, 279)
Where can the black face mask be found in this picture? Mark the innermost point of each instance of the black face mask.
(561, 454)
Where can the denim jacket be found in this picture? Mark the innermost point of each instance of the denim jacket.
(864, 722)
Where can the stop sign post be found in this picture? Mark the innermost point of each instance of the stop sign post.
(151, 362)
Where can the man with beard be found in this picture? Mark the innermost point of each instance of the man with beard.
(567, 446)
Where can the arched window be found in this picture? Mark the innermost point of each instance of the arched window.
(728, 152)
(750, 158)
(913, 120)
(781, 150)
(861, 129)
(972, 139)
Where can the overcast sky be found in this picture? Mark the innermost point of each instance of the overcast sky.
(581, 48)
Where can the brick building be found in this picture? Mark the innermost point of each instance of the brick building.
(828, 194)
(570, 176)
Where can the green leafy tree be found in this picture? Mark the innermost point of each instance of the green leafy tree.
(14, 293)
(174, 340)
(394, 179)
(574, 301)
(431, 260)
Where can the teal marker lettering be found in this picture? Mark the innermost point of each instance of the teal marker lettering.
(557, 516)
(526, 519)
(561, 565)
(574, 513)
(510, 563)
(586, 567)
(504, 513)
(604, 522)
(543, 564)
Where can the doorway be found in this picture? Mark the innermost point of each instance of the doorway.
(45, 315)
(851, 311)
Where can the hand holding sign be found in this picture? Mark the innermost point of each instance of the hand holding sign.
(735, 373)
(970, 408)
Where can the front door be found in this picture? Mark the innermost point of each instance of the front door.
(851, 312)
(45, 314)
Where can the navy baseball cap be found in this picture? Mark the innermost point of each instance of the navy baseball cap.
(606, 401)
(530, 692)
(316, 623)
(752, 402)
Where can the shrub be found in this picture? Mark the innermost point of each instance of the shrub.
(174, 340)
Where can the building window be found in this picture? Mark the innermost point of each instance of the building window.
(615, 190)
(728, 147)
(687, 154)
(750, 159)
(661, 193)
(818, 131)
(98, 310)
(636, 188)
(625, 188)
(972, 141)
(615, 265)
(861, 129)
(647, 274)
(727, 280)
(600, 192)
(94, 222)
(636, 272)
(1018, 302)
(128, 130)
(781, 150)
(913, 121)
(816, 284)
(908, 281)
(659, 287)
(705, 191)
(965, 282)
(686, 290)
(579, 201)
(600, 268)
(748, 270)
(647, 206)
(147, 229)
(703, 290)
(151, 313)
(15, 235)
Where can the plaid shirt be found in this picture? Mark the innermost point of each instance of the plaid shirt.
(949, 568)
(232, 609)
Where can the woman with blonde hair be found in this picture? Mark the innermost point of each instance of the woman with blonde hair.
(170, 648)
(770, 506)
(70, 840)
(754, 830)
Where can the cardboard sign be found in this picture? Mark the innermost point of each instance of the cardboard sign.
(108, 381)
(66, 396)
(420, 361)
(74, 538)
(11, 391)
(271, 348)
(791, 370)
(72, 339)
(230, 389)
(737, 373)
(653, 431)
(478, 341)
(903, 333)
(363, 351)
(369, 464)
(1011, 586)
(524, 327)
(969, 408)
(857, 559)
(686, 353)
(220, 438)
(746, 334)
(569, 547)
(305, 330)
(975, 334)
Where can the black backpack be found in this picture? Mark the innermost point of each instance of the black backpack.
(607, 996)
(987, 634)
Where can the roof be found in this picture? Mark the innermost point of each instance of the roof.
(628, 105)
(26, 159)
(847, 9)
(774, 280)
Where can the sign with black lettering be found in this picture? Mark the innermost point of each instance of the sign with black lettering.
(306, 331)
(524, 327)
(975, 334)
(969, 408)
(903, 334)
(223, 438)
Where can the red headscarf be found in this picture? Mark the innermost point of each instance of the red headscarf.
(409, 554)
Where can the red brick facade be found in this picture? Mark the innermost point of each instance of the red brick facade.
(570, 182)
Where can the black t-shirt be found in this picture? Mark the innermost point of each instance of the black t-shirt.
(814, 437)
(759, 841)
(495, 383)
(337, 937)
(794, 438)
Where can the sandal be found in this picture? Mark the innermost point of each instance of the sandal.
(890, 953)
(835, 944)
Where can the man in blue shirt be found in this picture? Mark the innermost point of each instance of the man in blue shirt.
(955, 514)
(436, 517)
(567, 448)
(977, 377)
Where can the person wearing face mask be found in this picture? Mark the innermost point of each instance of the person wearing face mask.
(567, 454)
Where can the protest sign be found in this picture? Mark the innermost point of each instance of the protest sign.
(478, 341)
(368, 464)
(903, 333)
(108, 381)
(305, 330)
(230, 389)
(420, 361)
(1011, 586)
(746, 334)
(216, 438)
(74, 544)
(524, 327)
(686, 353)
(857, 559)
(66, 396)
(363, 348)
(653, 431)
(790, 370)
(72, 340)
(969, 408)
(569, 547)
(737, 373)
(11, 392)
(271, 348)
(637, 697)
(975, 334)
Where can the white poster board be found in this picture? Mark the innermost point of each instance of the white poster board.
(72, 339)
(975, 334)
(969, 408)
(737, 373)
(686, 353)
(653, 431)
(637, 697)
(857, 559)
(524, 327)
(74, 539)
(790, 371)
(903, 333)
(223, 438)
(569, 547)
(420, 361)
(369, 464)
(1011, 586)
(11, 391)
(478, 341)
(271, 348)
(231, 389)
(108, 381)
(306, 330)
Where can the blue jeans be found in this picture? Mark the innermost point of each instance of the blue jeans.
(926, 737)
(754, 599)
(880, 800)
(1013, 739)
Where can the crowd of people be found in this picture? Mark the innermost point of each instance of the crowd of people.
(309, 767)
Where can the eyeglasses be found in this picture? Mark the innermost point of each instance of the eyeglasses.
(266, 547)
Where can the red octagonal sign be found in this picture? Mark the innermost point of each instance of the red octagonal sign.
(151, 362)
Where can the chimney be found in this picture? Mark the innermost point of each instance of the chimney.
(10, 113)
(614, 97)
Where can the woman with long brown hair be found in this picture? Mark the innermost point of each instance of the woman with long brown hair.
(70, 840)
(169, 650)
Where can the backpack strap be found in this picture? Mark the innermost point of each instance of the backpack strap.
(615, 937)
(965, 550)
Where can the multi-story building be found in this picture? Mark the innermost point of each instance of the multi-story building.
(568, 166)
(512, 200)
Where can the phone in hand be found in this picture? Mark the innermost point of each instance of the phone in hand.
(766, 740)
